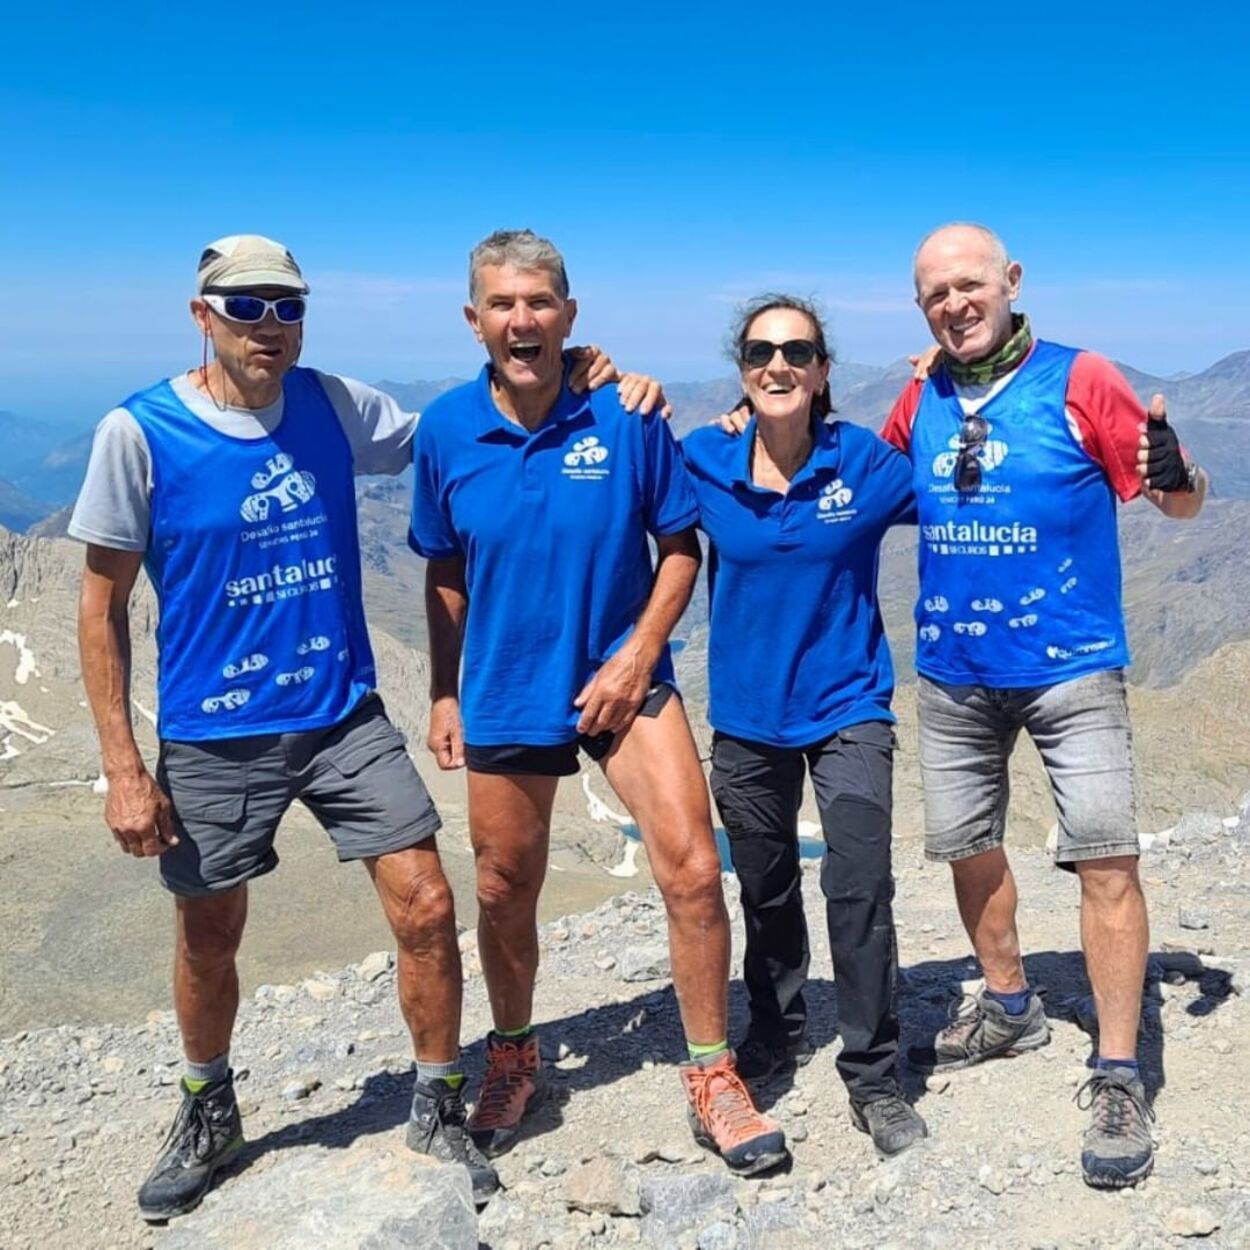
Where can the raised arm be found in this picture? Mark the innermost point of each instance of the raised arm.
(446, 605)
(612, 697)
(136, 810)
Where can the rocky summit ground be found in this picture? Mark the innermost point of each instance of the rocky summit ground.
(324, 1078)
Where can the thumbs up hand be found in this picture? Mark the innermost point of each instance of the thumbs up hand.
(1159, 459)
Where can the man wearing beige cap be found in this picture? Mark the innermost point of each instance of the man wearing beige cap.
(233, 484)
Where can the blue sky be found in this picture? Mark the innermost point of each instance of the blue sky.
(683, 156)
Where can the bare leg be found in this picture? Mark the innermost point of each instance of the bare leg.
(1115, 934)
(206, 980)
(986, 893)
(510, 823)
(418, 905)
(654, 768)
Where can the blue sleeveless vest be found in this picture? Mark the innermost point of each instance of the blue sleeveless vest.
(1020, 579)
(255, 559)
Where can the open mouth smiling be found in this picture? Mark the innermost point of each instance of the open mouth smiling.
(525, 352)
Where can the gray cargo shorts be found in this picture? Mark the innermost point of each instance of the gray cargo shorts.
(229, 795)
(1081, 730)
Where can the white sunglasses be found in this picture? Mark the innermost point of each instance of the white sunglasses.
(288, 310)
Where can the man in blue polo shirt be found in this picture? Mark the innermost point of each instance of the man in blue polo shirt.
(533, 507)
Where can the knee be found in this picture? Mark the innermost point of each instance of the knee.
(857, 866)
(693, 879)
(426, 913)
(209, 939)
(1109, 882)
(505, 881)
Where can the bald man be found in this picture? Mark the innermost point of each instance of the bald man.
(1020, 449)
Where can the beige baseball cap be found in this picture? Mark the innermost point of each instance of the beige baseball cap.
(247, 260)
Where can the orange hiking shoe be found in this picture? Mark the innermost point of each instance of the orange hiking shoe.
(513, 1085)
(724, 1119)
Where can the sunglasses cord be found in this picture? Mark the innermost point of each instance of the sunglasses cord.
(204, 382)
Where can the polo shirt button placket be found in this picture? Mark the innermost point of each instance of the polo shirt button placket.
(531, 467)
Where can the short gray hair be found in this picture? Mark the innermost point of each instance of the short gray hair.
(998, 250)
(524, 250)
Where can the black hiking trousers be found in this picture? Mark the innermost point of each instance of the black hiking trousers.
(758, 790)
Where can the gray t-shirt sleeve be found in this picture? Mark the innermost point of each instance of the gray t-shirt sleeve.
(378, 429)
(114, 504)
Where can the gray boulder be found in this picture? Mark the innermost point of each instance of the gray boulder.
(677, 1204)
(644, 961)
(372, 1196)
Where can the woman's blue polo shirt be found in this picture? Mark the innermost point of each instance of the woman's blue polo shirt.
(797, 648)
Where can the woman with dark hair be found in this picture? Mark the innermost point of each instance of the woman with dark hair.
(800, 682)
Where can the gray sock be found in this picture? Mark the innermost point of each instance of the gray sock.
(451, 1072)
(199, 1075)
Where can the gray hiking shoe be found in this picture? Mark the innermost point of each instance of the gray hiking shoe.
(206, 1134)
(436, 1127)
(891, 1122)
(1117, 1150)
(981, 1029)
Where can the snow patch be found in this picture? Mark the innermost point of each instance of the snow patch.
(628, 866)
(25, 656)
(598, 810)
(15, 721)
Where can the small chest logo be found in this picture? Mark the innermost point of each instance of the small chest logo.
(834, 502)
(279, 485)
(587, 461)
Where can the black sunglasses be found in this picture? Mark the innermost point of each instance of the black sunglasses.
(972, 436)
(756, 353)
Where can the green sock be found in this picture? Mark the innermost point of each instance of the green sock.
(700, 1054)
(511, 1035)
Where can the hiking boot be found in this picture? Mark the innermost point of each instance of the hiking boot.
(981, 1029)
(760, 1057)
(724, 1119)
(436, 1128)
(513, 1085)
(206, 1134)
(1117, 1150)
(891, 1122)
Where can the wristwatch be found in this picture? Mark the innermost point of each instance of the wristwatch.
(1191, 476)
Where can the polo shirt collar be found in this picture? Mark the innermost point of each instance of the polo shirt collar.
(825, 453)
(491, 423)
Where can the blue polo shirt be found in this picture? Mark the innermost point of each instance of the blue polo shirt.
(552, 526)
(797, 648)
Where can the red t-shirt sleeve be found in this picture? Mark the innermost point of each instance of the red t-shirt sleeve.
(1110, 418)
(897, 428)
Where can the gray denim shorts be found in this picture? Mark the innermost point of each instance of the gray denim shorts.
(1081, 730)
(230, 794)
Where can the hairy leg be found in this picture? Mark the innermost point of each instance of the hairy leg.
(1115, 934)
(419, 908)
(655, 770)
(986, 893)
(510, 824)
(206, 980)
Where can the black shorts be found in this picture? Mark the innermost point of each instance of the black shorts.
(559, 760)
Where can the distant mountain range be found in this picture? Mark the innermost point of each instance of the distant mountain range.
(41, 464)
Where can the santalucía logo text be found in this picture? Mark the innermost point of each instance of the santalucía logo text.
(979, 532)
(283, 579)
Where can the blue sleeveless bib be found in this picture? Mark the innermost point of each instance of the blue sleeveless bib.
(255, 559)
(1020, 579)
